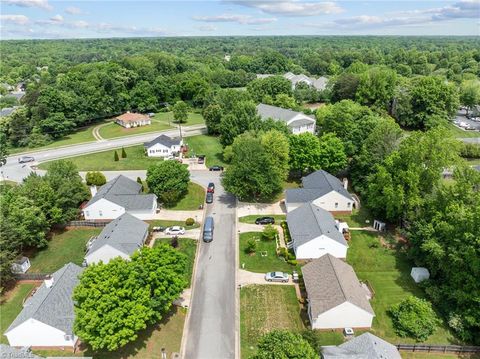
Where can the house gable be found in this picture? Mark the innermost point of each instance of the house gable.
(35, 333)
(319, 246)
(334, 201)
(344, 315)
(105, 254)
(103, 209)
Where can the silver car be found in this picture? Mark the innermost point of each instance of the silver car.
(175, 231)
(25, 159)
(277, 277)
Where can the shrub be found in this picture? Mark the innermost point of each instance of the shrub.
(292, 262)
(168, 180)
(95, 178)
(115, 156)
(174, 242)
(189, 222)
(269, 233)
(140, 182)
(414, 317)
(124, 154)
(283, 252)
(251, 246)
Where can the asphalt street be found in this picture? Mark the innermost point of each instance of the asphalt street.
(211, 323)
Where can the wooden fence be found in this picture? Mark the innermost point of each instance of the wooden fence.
(95, 224)
(426, 348)
(31, 276)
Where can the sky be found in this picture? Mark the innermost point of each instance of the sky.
(49, 19)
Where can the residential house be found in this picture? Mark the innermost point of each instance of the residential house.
(47, 317)
(297, 122)
(315, 233)
(120, 238)
(118, 196)
(324, 190)
(336, 298)
(366, 346)
(163, 146)
(131, 120)
(319, 84)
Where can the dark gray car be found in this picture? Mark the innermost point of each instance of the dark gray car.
(208, 229)
(209, 197)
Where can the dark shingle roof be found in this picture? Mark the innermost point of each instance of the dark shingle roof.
(365, 346)
(279, 114)
(163, 140)
(309, 221)
(330, 282)
(7, 351)
(126, 193)
(53, 306)
(126, 234)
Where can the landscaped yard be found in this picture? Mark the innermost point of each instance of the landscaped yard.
(264, 308)
(113, 129)
(388, 272)
(251, 219)
(188, 247)
(63, 247)
(194, 118)
(206, 145)
(10, 305)
(257, 262)
(357, 218)
(191, 201)
(104, 161)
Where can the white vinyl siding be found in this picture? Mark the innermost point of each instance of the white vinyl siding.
(345, 315)
(33, 333)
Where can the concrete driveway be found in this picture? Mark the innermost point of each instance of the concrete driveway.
(246, 278)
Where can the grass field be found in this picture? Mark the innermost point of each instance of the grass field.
(251, 219)
(206, 145)
(113, 129)
(357, 218)
(104, 161)
(194, 118)
(63, 247)
(188, 247)
(264, 308)
(11, 305)
(388, 272)
(458, 132)
(191, 201)
(258, 263)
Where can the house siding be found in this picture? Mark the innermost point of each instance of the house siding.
(103, 209)
(319, 246)
(104, 254)
(159, 150)
(33, 333)
(345, 315)
(334, 202)
(296, 130)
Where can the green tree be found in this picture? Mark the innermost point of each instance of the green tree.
(282, 344)
(270, 86)
(168, 180)
(276, 146)
(376, 87)
(414, 317)
(269, 233)
(124, 154)
(285, 101)
(213, 115)
(242, 117)
(332, 157)
(180, 112)
(251, 246)
(115, 156)
(304, 152)
(140, 182)
(3, 149)
(345, 87)
(95, 178)
(470, 94)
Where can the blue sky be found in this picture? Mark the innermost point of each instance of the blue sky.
(30, 19)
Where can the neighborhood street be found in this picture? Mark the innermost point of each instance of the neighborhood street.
(210, 330)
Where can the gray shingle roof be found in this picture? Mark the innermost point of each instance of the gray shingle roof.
(330, 282)
(279, 114)
(309, 221)
(315, 185)
(163, 140)
(126, 193)
(7, 351)
(53, 306)
(365, 346)
(126, 234)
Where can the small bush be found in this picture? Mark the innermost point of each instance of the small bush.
(124, 154)
(189, 222)
(251, 246)
(174, 242)
(115, 156)
(292, 262)
(269, 233)
(95, 178)
(374, 244)
(290, 256)
(283, 252)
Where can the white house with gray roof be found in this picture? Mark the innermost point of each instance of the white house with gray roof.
(324, 190)
(314, 233)
(297, 122)
(46, 319)
(163, 146)
(118, 196)
(120, 238)
(336, 298)
(366, 346)
(319, 84)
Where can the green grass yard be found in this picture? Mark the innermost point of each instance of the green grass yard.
(264, 308)
(186, 246)
(206, 145)
(113, 130)
(251, 219)
(63, 247)
(194, 118)
(458, 132)
(194, 197)
(357, 218)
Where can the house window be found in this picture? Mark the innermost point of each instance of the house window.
(87, 213)
(336, 204)
(348, 204)
(68, 337)
(100, 213)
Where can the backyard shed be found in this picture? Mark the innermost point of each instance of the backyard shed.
(419, 274)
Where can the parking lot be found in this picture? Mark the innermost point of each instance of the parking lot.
(468, 124)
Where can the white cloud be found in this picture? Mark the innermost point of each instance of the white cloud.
(14, 19)
(239, 19)
(72, 10)
(57, 18)
(291, 7)
(206, 28)
(80, 24)
(42, 4)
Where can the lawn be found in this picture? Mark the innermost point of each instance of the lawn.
(388, 272)
(206, 145)
(194, 118)
(264, 308)
(188, 247)
(113, 129)
(458, 132)
(63, 247)
(11, 305)
(357, 219)
(167, 334)
(194, 197)
(258, 263)
(104, 161)
(251, 219)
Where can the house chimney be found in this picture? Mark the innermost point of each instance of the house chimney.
(345, 183)
(93, 190)
(48, 281)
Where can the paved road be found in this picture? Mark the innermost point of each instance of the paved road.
(16, 172)
(211, 325)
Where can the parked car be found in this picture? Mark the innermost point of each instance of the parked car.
(158, 229)
(175, 230)
(25, 159)
(201, 159)
(211, 187)
(265, 220)
(208, 229)
(209, 198)
(216, 168)
(277, 277)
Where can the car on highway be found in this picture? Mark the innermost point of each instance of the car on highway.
(25, 159)
(265, 220)
(211, 187)
(277, 277)
(175, 231)
(216, 168)
(209, 197)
